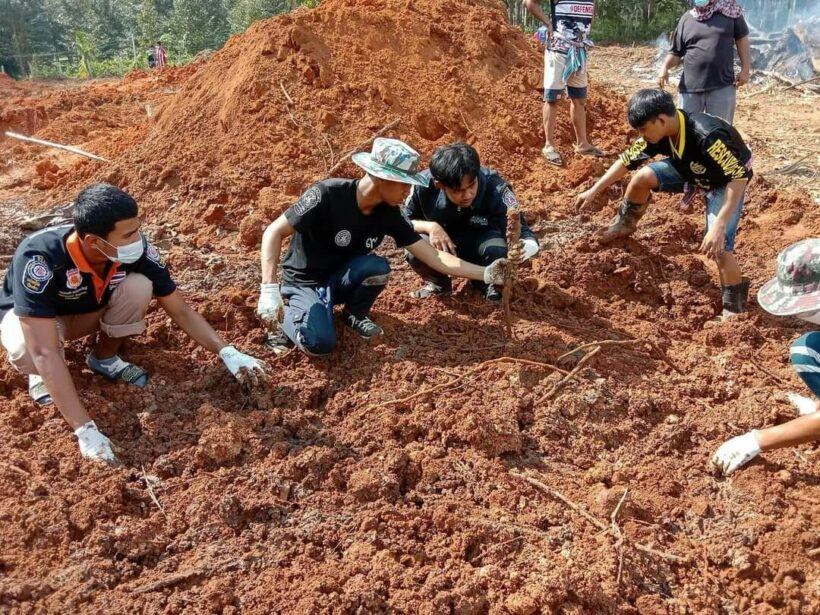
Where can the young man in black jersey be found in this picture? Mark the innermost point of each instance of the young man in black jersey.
(462, 210)
(335, 225)
(703, 154)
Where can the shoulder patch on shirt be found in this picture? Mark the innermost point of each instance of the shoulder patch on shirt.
(508, 198)
(155, 256)
(634, 151)
(307, 201)
(37, 275)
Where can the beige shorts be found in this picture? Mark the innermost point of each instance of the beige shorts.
(554, 84)
(122, 317)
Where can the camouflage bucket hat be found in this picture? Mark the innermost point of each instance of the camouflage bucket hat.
(392, 160)
(796, 289)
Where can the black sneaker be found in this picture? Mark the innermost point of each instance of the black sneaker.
(431, 289)
(278, 341)
(366, 328)
(493, 294)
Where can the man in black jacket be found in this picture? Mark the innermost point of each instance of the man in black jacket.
(462, 210)
(703, 154)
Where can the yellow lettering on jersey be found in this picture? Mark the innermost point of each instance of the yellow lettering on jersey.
(726, 160)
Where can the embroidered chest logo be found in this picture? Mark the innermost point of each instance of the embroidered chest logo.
(37, 275)
(371, 242)
(479, 221)
(73, 279)
(697, 168)
(343, 239)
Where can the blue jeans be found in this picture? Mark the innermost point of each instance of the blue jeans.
(805, 356)
(720, 102)
(669, 180)
(309, 313)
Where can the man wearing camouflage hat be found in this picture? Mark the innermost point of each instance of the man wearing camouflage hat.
(335, 225)
(794, 292)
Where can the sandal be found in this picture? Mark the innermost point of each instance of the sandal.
(590, 151)
(117, 370)
(552, 156)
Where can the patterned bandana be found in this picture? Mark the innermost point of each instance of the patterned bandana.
(730, 8)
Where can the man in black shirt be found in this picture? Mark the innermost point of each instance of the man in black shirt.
(462, 210)
(95, 276)
(335, 226)
(704, 154)
(705, 41)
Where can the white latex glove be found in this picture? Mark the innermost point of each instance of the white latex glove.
(235, 361)
(529, 248)
(494, 272)
(94, 445)
(736, 452)
(271, 308)
(804, 405)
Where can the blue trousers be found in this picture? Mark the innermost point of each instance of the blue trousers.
(309, 311)
(805, 356)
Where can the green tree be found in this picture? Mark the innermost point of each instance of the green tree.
(199, 24)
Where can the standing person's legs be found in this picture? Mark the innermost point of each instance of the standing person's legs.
(308, 319)
(554, 87)
(721, 102)
(577, 87)
(359, 283)
(438, 282)
(692, 102)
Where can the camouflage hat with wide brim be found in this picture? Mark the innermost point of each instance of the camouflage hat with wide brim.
(796, 288)
(392, 160)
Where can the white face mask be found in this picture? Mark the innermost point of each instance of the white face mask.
(701, 3)
(812, 317)
(129, 253)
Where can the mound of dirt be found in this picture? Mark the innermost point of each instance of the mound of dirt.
(355, 487)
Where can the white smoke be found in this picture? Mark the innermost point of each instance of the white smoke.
(774, 15)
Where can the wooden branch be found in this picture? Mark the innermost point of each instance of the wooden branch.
(285, 92)
(569, 376)
(66, 148)
(466, 374)
(597, 522)
(799, 83)
(362, 145)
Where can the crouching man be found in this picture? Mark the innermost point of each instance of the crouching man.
(335, 226)
(462, 210)
(95, 276)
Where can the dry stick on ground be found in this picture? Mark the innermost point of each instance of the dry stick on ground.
(458, 379)
(597, 522)
(812, 80)
(616, 530)
(66, 148)
(285, 92)
(180, 577)
(151, 492)
(654, 346)
(777, 379)
(362, 145)
(513, 258)
(568, 377)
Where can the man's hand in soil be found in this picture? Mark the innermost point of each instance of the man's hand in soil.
(495, 273)
(585, 199)
(93, 444)
(736, 452)
(271, 307)
(236, 361)
(440, 240)
(712, 245)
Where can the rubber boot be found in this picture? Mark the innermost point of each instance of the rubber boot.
(735, 298)
(625, 223)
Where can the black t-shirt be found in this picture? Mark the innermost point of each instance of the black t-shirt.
(331, 229)
(49, 276)
(487, 211)
(708, 50)
(712, 153)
